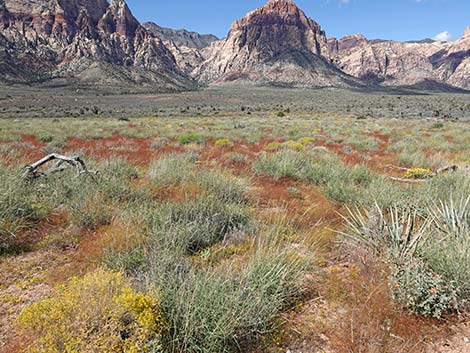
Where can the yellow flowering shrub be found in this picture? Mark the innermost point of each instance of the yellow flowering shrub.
(294, 145)
(223, 142)
(418, 173)
(306, 140)
(99, 313)
(273, 146)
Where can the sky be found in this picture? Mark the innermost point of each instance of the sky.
(376, 19)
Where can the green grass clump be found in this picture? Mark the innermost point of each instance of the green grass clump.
(190, 137)
(217, 312)
(174, 169)
(20, 207)
(198, 224)
(180, 170)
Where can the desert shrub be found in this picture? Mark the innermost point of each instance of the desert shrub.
(422, 291)
(281, 164)
(198, 224)
(190, 137)
(394, 234)
(222, 185)
(363, 143)
(43, 137)
(91, 212)
(445, 187)
(180, 169)
(340, 183)
(451, 259)
(98, 313)
(449, 252)
(427, 250)
(174, 169)
(218, 311)
(294, 145)
(413, 159)
(438, 125)
(132, 262)
(21, 207)
(223, 142)
(273, 146)
(306, 140)
(159, 143)
(234, 157)
(418, 173)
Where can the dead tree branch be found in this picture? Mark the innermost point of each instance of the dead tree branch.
(62, 163)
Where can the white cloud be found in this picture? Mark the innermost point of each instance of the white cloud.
(443, 37)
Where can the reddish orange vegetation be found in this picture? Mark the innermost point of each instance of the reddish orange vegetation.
(138, 151)
(368, 319)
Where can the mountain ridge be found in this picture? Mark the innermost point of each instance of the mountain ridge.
(101, 42)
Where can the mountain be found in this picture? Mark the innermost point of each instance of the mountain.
(276, 43)
(89, 41)
(186, 47)
(427, 64)
(181, 37)
(100, 43)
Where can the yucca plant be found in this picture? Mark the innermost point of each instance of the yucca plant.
(396, 232)
(451, 218)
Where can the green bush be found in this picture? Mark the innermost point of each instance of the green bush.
(428, 249)
(190, 137)
(423, 291)
(173, 169)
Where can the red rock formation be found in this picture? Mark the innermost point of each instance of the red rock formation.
(69, 36)
(275, 43)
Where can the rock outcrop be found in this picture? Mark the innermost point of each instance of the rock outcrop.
(276, 43)
(47, 39)
(426, 64)
(181, 37)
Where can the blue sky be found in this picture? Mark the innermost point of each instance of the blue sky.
(386, 19)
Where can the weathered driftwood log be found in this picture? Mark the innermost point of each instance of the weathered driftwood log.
(62, 163)
(447, 169)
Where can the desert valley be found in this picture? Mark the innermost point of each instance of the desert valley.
(276, 190)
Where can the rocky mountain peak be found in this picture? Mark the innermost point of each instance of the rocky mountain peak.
(466, 33)
(119, 19)
(276, 12)
(275, 43)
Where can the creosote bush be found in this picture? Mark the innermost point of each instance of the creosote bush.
(98, 313)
